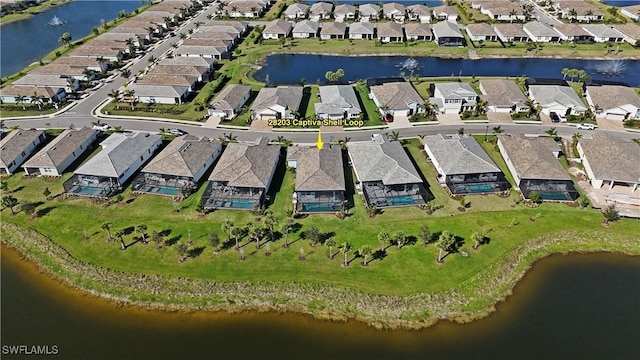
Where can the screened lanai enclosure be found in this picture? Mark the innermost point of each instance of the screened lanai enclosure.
(91, 186)
(220, 196)
(550, 190)
(380, 195)
(477, 183)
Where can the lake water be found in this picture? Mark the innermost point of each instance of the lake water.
(567, 307)
(290, 68)
(26, 41)
(429, 3)
(621, 3)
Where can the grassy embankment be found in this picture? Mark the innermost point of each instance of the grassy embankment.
(404, 286)
(29, 12)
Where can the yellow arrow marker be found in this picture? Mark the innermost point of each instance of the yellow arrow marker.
(319, 143)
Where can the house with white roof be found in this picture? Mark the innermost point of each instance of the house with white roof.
(454, 97)
(337, 102)
(61, 152)
(562, 100)
(614, 102)
(604, 33)
(106, 173)
(539, 32)
(280, 102)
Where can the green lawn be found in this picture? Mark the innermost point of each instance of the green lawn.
(368, 106)
(30, 110)
(178, 111)
(409, 270)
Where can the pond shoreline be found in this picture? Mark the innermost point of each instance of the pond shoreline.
(29, 12)
(473, 299)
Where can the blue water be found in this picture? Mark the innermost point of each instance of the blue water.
(621, 3)
(26, 41)
(429, 3)
(479, 188)
(403, 200)
(319, 207)
(90, 191)
(290, 68)
(552, 195)
(159, 189)
(242, 204)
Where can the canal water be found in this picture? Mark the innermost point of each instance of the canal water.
(26, 41)
(290, 68)
(567, 307)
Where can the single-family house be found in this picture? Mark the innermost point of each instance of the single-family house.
(397, 99)
(503, 96)
(454, 97)
(61, 152)
(481, 32)
(106, 173)
(333, 30)
(597, 154)
(200, 74)
(320, 11)
(418, 31)
(244, 9)
(604, 33)
(229, 101)
(540, 32)
(631, 11)
(52, 81)
(168, 80)
(533, 162)
(390, 32)
(213, 42)
(344, 12)
(445, 13)
(276, 29)
(574, 33)
(204, 64)
(463, 166)
(178, 168)
(502, 10)
(362, 30)
(510, 32)
(204, 51)
(17, 146)
(242, 177)
(630, 31)
(105, 52)
(320, 183)
(385, 174)
(393, 11)
(337, 102)
(614, 102)
(10, 93)
(296, 11)
(419, 12)
(305, 29)
(281, 102)
(447, 33)
(368, 12)
(97, 65)
(64, 71)
(160, 94)
(578, 10)
(562, 100)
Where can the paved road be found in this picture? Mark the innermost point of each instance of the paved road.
(540, 13)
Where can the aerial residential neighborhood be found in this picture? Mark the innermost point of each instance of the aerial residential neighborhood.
(391, 163)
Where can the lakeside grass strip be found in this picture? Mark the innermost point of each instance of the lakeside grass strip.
(472, 299)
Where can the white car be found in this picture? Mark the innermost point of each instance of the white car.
(586, 126)
(177, 132)
(101, 127)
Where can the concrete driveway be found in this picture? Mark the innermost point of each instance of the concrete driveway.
(499, 118)
(449, 119)
(606, 124)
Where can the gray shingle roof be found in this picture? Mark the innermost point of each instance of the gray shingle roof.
(172, 91)
(295, 9)
(229, 98)
(500, 92)
(417, 29)
(321, 8)
(452, 90)
(390, 29)
(603, 148)
(369, 10)
(333, 28)
(337, 97)
(306, 26)
(396, 95)
(286, 96)
(602, 30)
(459, 155)
(246, 165)
(611, 96)
(446, 29)
(384, 161)
(120, 151)
(187, 61)
(481, 29)
(548, 95)
(362, 28)
(533, 158)
(344, 9)
(318, 170)
(536, 28)
(61, 148)
(15, 143)
(184, 156)
(278, 26)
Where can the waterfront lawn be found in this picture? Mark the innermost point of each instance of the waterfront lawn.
(409, 270)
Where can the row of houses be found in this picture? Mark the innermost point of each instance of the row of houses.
(243, 8)
(369, 12)
(385, 175)
(51, 83)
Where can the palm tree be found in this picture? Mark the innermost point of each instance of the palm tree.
(394, 135)
(65, 39)
(572, 14)
(284, 142)
(35, 99)
(227, 227)
(576, 137)
(312, 235)
(383, 238)
(565, 73)
(214, 241)
(237, 232)
(129, 93)
(552, 132)
(140, 229)
(345, 248)
(10, 202)
(285, 230)
(255, 233)
(228, 138)
(444, 243)
(106, 226)
(399, 239)
(19, 99)
(152, 59)
(343, 142)
(156, 237)
(365, 251)
(480, 107)
(330, 243)
(269, 220)
(117, 128)
(425, 235)
(477, 238)
(120, 236)
(497, 129)
(181, 249)
(182, 36)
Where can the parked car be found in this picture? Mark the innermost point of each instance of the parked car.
(101, 127)
(177, 132)
(388, 118)
(586, 126)
(554, 117)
